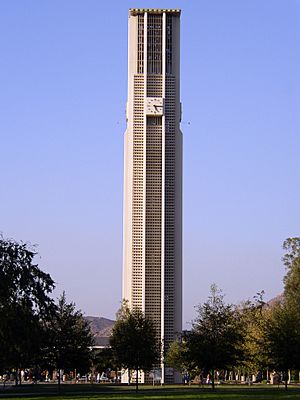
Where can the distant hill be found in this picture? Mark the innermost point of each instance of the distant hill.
(101, 329)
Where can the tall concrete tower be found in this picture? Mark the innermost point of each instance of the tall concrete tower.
(152, 265)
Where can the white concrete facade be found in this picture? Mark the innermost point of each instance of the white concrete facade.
(152, 259)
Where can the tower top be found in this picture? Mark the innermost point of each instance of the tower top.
(136, 11)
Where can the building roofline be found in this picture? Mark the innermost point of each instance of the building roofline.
(136, 11)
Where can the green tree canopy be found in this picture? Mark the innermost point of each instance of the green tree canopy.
(21, 280)
(104, 360)
(68, 339)
(216, 340)
(254, 317)
(178, 358)
(282, 339)
(291, 260)
(282, 330)
(24, 301)
(134, 341)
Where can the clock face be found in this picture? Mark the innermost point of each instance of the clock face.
(154, 106)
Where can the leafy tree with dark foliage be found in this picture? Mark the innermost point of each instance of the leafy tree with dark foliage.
(104, 361)
(24, 302)
(215, 341)
(282, 340)
(282, 331)
(68, 339)
(134, 341)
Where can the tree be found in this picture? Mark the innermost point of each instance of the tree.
(282, 332)
(291, 261)
(104, 361)
(254, 316)
(216, 339)
(282, 339)
(176, 356)
(134, 341)
(69, 339)
(24, 302)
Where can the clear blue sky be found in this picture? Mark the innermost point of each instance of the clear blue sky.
(63, 88)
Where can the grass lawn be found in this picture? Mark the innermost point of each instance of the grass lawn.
(103, 392)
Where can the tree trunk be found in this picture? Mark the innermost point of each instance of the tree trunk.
(58, 381)
(286, 380)
(137, 379)
(213, 379)
(16, 377)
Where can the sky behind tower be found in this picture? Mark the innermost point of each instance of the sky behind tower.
(63, 89)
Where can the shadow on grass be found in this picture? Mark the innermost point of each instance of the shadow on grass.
(99, 392)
